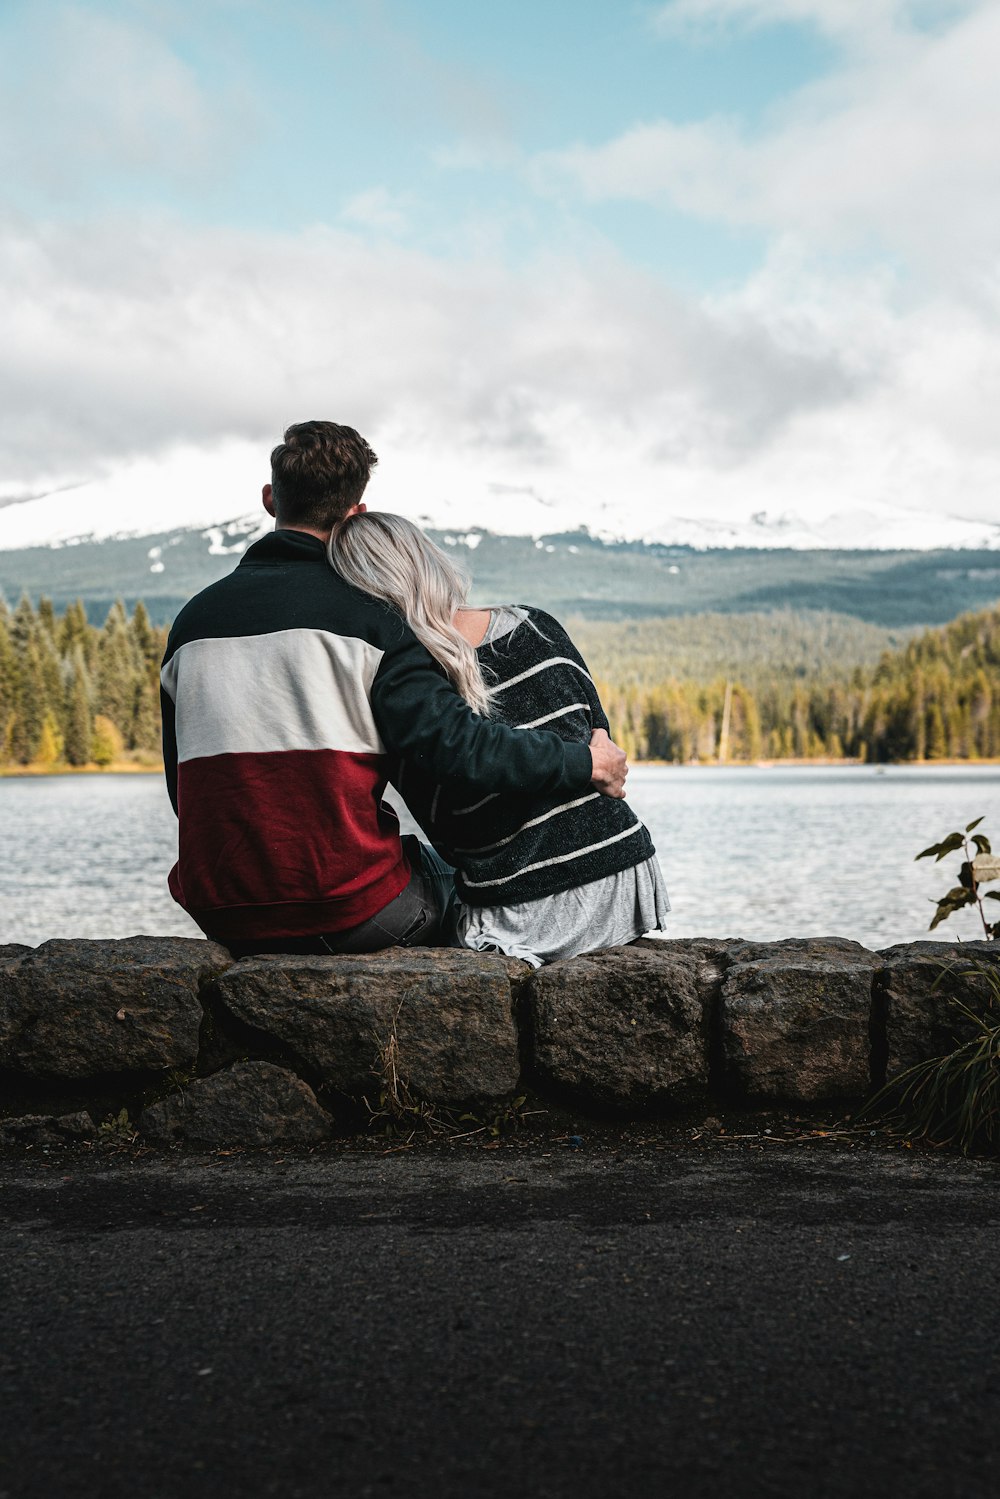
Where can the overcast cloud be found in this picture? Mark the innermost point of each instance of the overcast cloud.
(859, 363)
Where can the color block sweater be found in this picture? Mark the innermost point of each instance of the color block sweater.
(521, 846)
(284, 694)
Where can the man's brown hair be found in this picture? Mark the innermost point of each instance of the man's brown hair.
(318, 473)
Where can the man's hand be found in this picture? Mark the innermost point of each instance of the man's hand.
(609, 765)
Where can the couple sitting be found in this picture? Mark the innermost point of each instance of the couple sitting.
(339, 655)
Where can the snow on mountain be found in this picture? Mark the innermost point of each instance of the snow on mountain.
(878, 527)
(218, 493)
(147, 497)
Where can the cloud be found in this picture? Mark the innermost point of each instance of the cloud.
(859, 22)
(88, 98)
(859, 366)
(377, 208)
(124, 337)
(892, 153)
(583, 383)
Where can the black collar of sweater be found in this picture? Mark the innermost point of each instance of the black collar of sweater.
(283, 546)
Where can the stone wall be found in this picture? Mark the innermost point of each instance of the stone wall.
(198, 1047)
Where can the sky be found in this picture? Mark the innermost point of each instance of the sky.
(631, 265)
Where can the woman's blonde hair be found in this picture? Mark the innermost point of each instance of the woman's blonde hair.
(388, 556)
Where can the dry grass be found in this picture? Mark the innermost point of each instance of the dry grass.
(399, 1112)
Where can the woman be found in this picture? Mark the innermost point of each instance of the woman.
(537, 879)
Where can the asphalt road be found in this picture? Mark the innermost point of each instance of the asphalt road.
(500, 1323)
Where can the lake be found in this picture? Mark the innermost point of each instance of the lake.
(752, 852)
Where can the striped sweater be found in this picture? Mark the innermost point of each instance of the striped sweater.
(284, 694)
(519, 846)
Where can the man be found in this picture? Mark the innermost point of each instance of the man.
(285, 694)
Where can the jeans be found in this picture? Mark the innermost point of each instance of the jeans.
(423, 914)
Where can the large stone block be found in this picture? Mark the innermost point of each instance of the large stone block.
(47, 1129)
(626, 1029)
(916, 986)
(795, 1019)
(449, 1015)
(80, 1008)
(250, 1103)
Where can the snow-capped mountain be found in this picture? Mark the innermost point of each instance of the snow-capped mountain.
(218, 493)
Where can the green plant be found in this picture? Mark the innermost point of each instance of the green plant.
(117, 1127)
(954, 1099)
(966, 892)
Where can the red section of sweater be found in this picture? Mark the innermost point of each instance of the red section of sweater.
(307, 823)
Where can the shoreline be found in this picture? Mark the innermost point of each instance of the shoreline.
(128, 767)
(824, 761)
(122, 767)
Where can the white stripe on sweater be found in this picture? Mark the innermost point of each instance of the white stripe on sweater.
(286, 690)
(548, 717)
(577, 853)
(543, 666)
(533, 823)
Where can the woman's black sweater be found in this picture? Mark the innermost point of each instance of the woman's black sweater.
(509, 848)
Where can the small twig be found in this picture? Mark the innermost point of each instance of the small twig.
(395, 1149)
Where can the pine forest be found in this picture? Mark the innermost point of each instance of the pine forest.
(712, 687)
(72, 695)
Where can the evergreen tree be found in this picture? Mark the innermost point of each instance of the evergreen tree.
(106, 744)
(918, 717)
(746, 740)
(47, 617)
(23, 625)
(937, 738)
(51, 671)
(30, 707)
(144, 636)
(119, 670)
(800, 723)
(144, 735)
(50, 742)
(9, 679)
(73, 629)
(980, 709)
(78, 720)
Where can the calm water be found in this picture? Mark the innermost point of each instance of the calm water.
(746, 852)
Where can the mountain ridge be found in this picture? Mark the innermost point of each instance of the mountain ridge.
(569, 572)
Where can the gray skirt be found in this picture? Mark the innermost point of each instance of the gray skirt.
(605, 913)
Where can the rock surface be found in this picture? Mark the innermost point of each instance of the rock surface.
(46, 1129)
(625, 1029)
(650, 1027)
(82, 1008)
(916, 986)
(795, 1019)
(450, 1014)
(250, 1103)
(10, 952)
